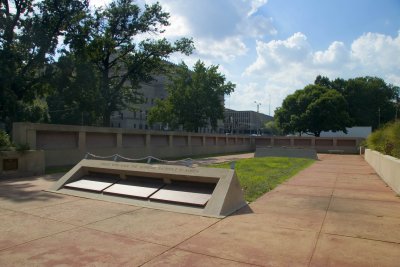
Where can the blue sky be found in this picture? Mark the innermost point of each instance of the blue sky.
(270, 48)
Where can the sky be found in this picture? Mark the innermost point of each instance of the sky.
(271, 48)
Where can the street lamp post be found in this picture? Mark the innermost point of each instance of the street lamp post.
(257, 118)
(258, 106)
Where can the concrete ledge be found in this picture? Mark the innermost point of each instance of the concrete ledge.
(225, 196)
(19, 164)
(285, 152)
(386, 166)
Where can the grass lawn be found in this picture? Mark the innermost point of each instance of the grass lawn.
(260, 175)
(58, 169)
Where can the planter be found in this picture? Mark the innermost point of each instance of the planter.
(21, 164)
(386, 166)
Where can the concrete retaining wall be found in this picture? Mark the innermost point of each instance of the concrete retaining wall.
(345, 145)
(21, 164)
(67, 145)
(386, 166)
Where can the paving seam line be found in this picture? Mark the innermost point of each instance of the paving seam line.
(53, 234)
(365, 238)
(322, 224)
(176, 246)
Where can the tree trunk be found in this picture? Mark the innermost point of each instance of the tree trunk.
(106, 118)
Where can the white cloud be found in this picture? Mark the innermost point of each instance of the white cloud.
(178, 27)
(219, 28)
(279, 53)
(287, 65)
(257, 26)
(377, 51)
(255, 5)
(335, 54)
(227, 49)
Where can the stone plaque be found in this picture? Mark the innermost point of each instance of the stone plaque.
(92, 184)
(134, 188)
(10, 164)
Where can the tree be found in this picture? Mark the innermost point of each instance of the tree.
(371, 101)
(312, 110)
(195, 98)
(77, 90)
(29, 33)
(272, 128)
(108, 45)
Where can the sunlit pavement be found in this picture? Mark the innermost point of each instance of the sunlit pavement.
(338, 212)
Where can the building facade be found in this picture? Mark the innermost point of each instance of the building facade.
(245, 122)
(137, 119)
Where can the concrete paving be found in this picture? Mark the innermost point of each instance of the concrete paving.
(337, 212)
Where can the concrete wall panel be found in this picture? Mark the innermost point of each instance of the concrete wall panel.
(56, 140)
(387, 167)
(100, 140)
(133, 140)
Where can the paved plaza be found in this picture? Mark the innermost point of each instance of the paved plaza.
(338, 212)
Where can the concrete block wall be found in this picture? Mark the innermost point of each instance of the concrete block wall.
(68, 144)
(348, 145)
(26, 163)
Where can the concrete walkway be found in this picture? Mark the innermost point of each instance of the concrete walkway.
(335, 213)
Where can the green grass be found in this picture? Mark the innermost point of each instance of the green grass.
(260, 175)
(58, 169)
(386, 139)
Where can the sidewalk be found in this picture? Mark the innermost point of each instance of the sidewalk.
(337, 212)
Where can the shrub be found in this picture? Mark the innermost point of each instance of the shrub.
(22, 147)
(5, 142)
(386, 140)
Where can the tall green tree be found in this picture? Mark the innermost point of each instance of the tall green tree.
(195, 98)
(29, 34)
(371, 100)
(312, 110)
(74, 100)
(111, 44)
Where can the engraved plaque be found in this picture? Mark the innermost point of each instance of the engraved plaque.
(92, 183)
(139, 189)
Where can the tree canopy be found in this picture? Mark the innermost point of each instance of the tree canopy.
(110, 48)
(371, 101)
(312, 110)
(195, 98)
(29, 34)
(334, 105)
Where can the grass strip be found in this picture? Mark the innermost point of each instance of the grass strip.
(260, 175)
